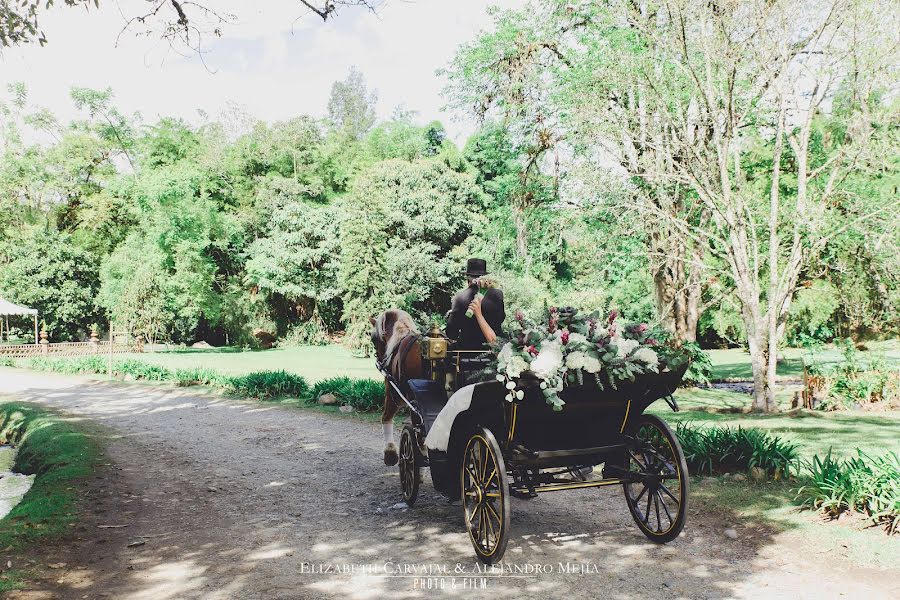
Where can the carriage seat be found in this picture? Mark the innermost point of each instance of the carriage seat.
(430, 396)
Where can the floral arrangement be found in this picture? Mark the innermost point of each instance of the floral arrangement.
(568, 348)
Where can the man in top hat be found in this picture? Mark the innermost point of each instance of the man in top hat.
(487, 311)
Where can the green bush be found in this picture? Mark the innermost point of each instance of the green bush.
(711, 450)
(863, 484)
(700, 369)
(362, 394)
(198, 376)
(70, 366)
(6, 361)
(268, 385)
(142, 370)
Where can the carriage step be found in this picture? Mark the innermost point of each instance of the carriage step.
(548, 454)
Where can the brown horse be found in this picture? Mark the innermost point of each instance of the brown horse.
(396, 340)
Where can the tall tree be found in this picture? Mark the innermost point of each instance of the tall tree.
(351, 106)
(717, 81)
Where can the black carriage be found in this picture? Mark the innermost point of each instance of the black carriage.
(495, 449)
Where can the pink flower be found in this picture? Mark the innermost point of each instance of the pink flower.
(651, 342)
(532, 350)
(520, 316)
(565, 336)
(612, 316)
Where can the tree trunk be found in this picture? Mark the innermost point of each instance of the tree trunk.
(522, 237)
(762, 378)
(677, 287)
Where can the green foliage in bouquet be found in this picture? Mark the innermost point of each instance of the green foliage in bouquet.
(567, 348)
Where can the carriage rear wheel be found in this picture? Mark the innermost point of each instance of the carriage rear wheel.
(658, 490)
(485, 495)
(410, 465)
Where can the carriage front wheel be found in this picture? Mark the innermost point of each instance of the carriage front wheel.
(656, 487)
(485, 495)
(410, 465)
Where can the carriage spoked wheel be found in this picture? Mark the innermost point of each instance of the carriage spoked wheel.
(485, 495)
(410, 465)
(657, 492)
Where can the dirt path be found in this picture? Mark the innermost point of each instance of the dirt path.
(226, 499)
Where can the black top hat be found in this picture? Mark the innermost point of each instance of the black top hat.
(476, 267)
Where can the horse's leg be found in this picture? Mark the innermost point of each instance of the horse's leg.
(387, 425)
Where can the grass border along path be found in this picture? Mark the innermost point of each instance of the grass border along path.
(62, 457)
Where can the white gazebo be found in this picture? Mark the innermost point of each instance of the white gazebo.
(8, 309)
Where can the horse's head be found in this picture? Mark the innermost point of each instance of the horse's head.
(378, 336)
(388, 329)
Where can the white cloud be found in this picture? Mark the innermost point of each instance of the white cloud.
(270, 62)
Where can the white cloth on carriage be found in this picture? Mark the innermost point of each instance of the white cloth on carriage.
(438, 436)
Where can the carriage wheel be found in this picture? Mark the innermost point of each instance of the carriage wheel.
(485, 495)
(658, 498)
(410, 469)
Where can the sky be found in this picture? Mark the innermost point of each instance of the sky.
(275, 62)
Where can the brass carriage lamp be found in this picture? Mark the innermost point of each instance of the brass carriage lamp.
(436, 343)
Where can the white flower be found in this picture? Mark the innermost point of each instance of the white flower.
(549, 360)
(508, 398)
(624, 346)
(501, 378)
(510, 385)
(601, 332)
(575, 360)
(505, 353)
(515, 366)
(647, 356)
(520, 394)
(592, 365)
(576, 338)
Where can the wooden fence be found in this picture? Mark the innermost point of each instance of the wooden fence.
(45, 348)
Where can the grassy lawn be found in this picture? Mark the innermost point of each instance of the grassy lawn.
(312, 362)
(768, 508)
(63, 457)
(814, 432)
(735, 362)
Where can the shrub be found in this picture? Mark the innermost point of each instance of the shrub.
(362, 394)
(142, 370)
(198, 376)
(6, 361)
(70, 366)
(863, 484)
(268, 385)
(700, 369)
(309, 333)
(722, 449)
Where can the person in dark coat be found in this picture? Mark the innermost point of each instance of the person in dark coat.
(487, 312)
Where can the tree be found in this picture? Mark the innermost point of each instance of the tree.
(401, 224)
(722, 83)
(299, 257)
(351, 106)
(43, 269)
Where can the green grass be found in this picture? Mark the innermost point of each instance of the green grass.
(764, 510)
(769, 508)
(314, 363)
(61, 456)
(814, 432)
(735, 362)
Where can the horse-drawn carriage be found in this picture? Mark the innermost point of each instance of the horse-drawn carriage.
(483, 448)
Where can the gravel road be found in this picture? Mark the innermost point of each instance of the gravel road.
(212, 498)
